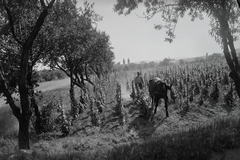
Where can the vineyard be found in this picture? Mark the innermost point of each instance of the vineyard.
(109, 121)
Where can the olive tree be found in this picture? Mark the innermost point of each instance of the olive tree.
(224, 21)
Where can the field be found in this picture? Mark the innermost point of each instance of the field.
(193, 131)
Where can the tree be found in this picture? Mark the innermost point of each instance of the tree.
(17, 18)
(181, 62)
(215, 57)
(128, 61)
(224, 21)
(123, 61)
(165, 62)
(79, 49)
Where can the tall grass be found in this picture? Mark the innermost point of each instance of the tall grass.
(196, 143)
(8, 122)
(8, 131)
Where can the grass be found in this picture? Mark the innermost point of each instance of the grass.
(199, 142)
(51, 85)
(8, 122)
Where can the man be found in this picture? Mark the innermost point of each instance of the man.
(139, 81)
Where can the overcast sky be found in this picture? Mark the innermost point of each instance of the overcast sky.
(135, 38)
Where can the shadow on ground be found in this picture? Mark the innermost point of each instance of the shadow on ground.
(142, 127)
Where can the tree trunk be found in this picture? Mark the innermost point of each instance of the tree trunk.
(74, 106)
(38, 124)
(227, 42)
(236, 79)
(23, 134)
(234, 74)
(23, 137)
(34, 106)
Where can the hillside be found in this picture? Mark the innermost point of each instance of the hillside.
(120, 132)
(86, 139)
(238, 50)
(46, 86)
(185, 58)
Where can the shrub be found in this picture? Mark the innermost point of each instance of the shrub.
(8, 122)
(49, 75)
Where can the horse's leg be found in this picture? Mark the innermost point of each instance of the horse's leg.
(156, 105)
(166, 106)
(152, 98)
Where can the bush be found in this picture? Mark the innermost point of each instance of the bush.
(48, 116)
(8, 122)
(49, 75)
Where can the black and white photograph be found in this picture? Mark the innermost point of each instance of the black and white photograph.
(119, 79)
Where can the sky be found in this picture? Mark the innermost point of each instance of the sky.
(135, 38)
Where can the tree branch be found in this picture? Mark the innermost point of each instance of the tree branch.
(11, 22)
(7, 94)
(43, 4)
(62, 69)
(39, 23)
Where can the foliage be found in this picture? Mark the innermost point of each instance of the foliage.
(49, 75)
(173, 94)
(119, 109)
(21, 22)
(143, 103)
(165, 62)
(205, 92)
(47, 117)
(6, 120)
(215, 57)
(64, 121)
(200, 77)
(215, 91)
(228, 98)
(137, 66)
(200, 100)
(133, 94)
(80, 50)
(93, 114)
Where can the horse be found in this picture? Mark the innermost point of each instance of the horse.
(158, 89)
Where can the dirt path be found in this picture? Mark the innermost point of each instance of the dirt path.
(125, 93)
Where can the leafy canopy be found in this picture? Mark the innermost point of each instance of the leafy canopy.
(80, 50)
